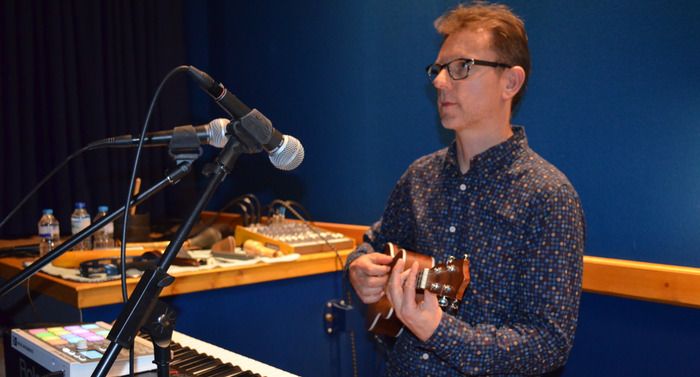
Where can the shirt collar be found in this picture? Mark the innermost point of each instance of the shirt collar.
(494, 158)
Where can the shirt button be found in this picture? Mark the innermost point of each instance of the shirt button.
(462, 187)
(425, 356)
(453, 229)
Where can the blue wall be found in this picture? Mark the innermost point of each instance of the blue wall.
(613, 102)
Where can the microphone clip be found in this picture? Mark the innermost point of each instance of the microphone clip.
(184, 145)
(249, 144)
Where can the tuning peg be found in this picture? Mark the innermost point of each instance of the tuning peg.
(435, 287)
(455, 305)
(450, 259)
(443, 301)
(446, 289)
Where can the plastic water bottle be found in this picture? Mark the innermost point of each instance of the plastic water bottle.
(104, 237)
(49, 231)
(79, 220)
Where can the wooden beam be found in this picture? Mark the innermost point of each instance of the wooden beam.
(669, 284)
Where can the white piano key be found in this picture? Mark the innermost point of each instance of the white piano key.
(226, 356)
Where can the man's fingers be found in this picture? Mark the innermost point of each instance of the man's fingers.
(394, 289)
(372, 291)
(373, 264)
(371, 296)
(430, 300)
(409, 287)
(376, 281)
(379, 258)
(376, 269)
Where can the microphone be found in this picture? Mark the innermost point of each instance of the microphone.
(209, 236)
(286, 152)
(213, 133)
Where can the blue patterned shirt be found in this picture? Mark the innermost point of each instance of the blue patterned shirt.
(521, 224)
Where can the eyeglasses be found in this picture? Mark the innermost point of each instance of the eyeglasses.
(458, 69)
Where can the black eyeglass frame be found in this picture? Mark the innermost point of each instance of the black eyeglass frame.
(468, 63)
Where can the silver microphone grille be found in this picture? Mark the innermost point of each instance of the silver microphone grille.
(289, 155)
(217, 132)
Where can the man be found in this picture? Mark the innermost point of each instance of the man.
(487, 195)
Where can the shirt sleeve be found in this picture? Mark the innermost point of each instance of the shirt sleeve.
(540, 336)
(396, 224)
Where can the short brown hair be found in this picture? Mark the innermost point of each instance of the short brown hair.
(508, 35)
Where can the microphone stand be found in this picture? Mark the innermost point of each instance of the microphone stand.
(140, 307)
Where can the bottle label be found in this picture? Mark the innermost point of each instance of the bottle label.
(79, 223)
(45, 231)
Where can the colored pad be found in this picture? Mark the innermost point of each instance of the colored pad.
(91, 354)
(56, 342)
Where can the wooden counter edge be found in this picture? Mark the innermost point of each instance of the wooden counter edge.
(663, 283)
(669, 284)
(195, 281)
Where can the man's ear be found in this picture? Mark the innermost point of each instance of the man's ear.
(513, 79)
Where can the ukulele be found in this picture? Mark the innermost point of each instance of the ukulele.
(448, 280)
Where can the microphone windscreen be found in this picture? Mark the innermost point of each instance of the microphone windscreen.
(289, 155)
(216, 129)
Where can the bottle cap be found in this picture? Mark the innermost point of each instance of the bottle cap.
(102, 209)
(79, 204)
(47, 211)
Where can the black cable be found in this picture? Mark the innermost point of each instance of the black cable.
(242, 198)
(134, 170)
(258, 208)
(41, 183)
(91, 146)
(254, 206)
(300, 207)
(339, 266)
(129, 194)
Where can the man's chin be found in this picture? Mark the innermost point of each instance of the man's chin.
(449, 123)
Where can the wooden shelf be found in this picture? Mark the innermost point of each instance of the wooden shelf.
(676, 285)
(85, 295)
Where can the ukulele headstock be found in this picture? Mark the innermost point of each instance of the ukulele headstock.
(449, 281)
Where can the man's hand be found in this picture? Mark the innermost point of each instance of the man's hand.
(421, 318)
(369, 274)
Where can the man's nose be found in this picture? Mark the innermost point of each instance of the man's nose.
(442, 80)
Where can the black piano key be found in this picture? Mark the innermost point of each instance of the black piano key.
(184, 355)
(199, 369)
(190, 362)
(193, 364)
(185, 358)
(180, 350)
(223, 370)
(245, 373)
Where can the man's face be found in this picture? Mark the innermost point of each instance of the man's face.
(476, 100)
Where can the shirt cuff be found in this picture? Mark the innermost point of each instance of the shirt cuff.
(364, 248)
(439, 343)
